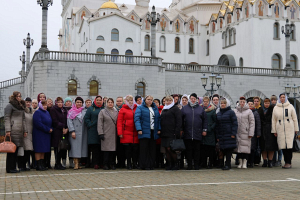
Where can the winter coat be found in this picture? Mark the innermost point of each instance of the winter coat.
(14, 121)
(246, 127)
(142, 121)
(91, 120)
(59, 122)
(226, 127)
(126, 126)
(194, 122)
(285, 124)
(107, 121)
(42, 123)
(267, 141)
(78, 145)
(28, 146)
(257, 130)
(210, 138)
(171, 122)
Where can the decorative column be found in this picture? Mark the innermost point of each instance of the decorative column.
(153, 19)
(22, 73)
(287, 30)
(28, 43)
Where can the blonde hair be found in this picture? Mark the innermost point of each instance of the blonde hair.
(148, 97)
(206, 98)
(34, 101)
(224, 101)
(128, 97)
(169, 98)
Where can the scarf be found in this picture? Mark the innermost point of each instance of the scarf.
(41, 106)
(119, 107)
(130, 106)
(75, 112)
(167, 107)
(265, 109)
(193, 104)
(99, 106)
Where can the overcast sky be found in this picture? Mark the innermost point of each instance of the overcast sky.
(19, 17)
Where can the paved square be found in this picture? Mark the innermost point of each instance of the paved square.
(256, 183)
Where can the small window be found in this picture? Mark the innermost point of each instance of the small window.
(191, 45)
(162, 43)
(241, 62)
(115, 35)
(147, 43)
(93, 88)
(100, 50)
(128, 40)
(129, 55)
(276, 30)
(276, 61)
(114, 52)
(207, 47)
(72, 87)
(293, 61)
(100, 37)
(177, 45)
(141, 89)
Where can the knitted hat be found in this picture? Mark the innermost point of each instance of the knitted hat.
(28, 99)
(193, 95)
(68, 99)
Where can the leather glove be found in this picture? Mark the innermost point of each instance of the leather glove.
(101, 137)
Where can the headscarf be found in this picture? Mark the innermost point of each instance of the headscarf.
(206, 107)
(95, 102)
(38, 97)
(75, 112)
(185, 95)
(127, 103)
(200, 100)
(169, 106)
(41, 106)
(286, 98)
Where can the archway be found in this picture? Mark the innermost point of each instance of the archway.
(226, 60)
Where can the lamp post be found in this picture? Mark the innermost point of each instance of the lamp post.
(28, 43)
(22, 72)
(214, 80)
(153, 19)
(45, 4)
(287, 30)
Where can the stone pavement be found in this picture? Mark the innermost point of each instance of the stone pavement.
(256, 183)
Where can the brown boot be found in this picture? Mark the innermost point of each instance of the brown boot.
(76, 163)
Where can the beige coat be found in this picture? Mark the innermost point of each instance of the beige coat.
(28, 139)
(285, 124)
(107, 120)
(246, 127)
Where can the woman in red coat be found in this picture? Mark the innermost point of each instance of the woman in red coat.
(127, 132)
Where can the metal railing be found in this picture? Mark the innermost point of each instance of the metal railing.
(11, 82)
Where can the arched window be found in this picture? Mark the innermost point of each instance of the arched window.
(241, 62)
(141, 87)
(207, 47)
(129, 55)
(147, 43)
(72, 87)
(100, 50)
(293, 34)
(276, 61)
(223, 39)
(100, 37)
(230, 36)
(276, 30)
(177, 45)
(293, 61)
(115, 35)
(234, 36)
(114, 53)
(191, 45)
(128, 40)
(94, 88)
(162, 43)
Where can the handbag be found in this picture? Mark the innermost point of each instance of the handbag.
(177, 145)
(296, 144)
(8, 146)
(64, 144)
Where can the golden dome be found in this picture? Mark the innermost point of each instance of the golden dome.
(110, 4)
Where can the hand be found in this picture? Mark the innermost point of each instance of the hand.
(121, 136)
(158, 132)
(101, 137)
(140, 132)
(8, 133)
(25, 134)
(73, 135)
(258, 136)
(218, 140)
(249, 137)
(232, 136)
(204, 133)
(50, 130)
(181, 133)
(275, 134)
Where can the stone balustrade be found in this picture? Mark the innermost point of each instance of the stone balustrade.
(11, 82)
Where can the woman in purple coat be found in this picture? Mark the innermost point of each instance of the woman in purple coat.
(60, 129)
(41, 134)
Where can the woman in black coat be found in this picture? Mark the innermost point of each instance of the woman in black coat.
(227, 126)
(170, 129)
(60, 129)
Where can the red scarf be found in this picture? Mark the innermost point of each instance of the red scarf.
(99, 106)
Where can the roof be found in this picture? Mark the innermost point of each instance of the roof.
(110, 4)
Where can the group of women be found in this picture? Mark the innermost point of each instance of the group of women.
(103, 135)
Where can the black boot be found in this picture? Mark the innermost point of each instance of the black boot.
(221, 163)
(270, 164)
(265, 163)
(40, 165)
(43, 164)
(175, 166)
(169, 166)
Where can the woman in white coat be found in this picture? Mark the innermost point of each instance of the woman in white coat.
(284, 126)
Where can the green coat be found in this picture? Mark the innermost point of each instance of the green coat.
(91, 120)
(210, 138)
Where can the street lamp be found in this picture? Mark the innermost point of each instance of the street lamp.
(28, 42)
(287, 30)
(214, 80)
(22, 72)
(153, 19)
(45, 4)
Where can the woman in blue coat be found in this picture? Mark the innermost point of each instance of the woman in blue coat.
(227, 126)
(147, 123)
(41, 134)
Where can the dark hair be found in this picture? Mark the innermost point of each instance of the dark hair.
(193, 95)
(281, 94)
(44, 102)
(14, 95)
(162, 101)
(256, 98)
(137, 97)
(175, 95)
(250, 100)
(88, 100)
(79, 99)
(59, 99)
(28, 99)
(157, 100)
(215, 95)
(267, 100)
(110, 99)
(98, 97)
(242, 98)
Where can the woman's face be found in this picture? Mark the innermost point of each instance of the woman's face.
(149, 101)
(119, 101)
(216, 100)
(156, 103)
(164, 101)
(60, 104)
(223, 105)
(184, 101)
(49, 103)
(45, 107)
(139, 101)
(34, 105)
(42, 97)
(28, 104)
(130, 101)
(266, 104)
(176, 99)
(251, 104)
(274, 101)
(99, 101)
(282, 98)
(168, 102)
(110, 104)
(205, 103)
(256, 102)
(78, 104)
(19, 97)
(193, 99)
(88, 104)
(242, 103)
(68, 104)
